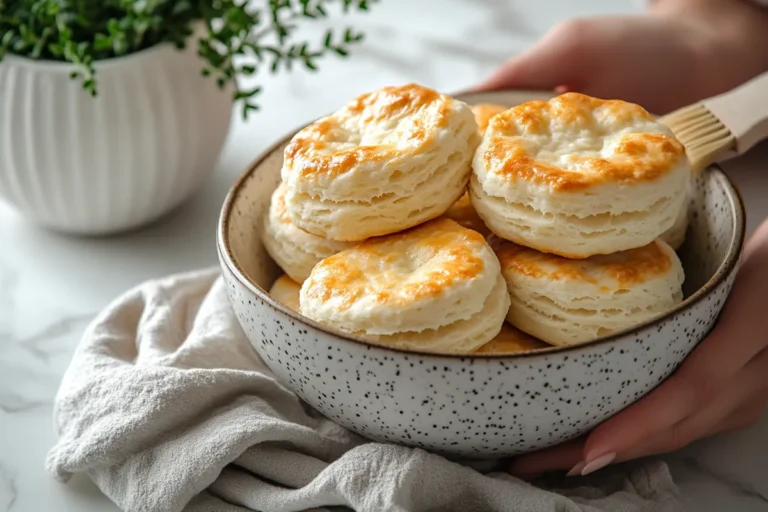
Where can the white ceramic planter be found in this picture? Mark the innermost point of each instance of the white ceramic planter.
(100, 165)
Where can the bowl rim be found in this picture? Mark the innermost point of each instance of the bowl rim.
(724, 270)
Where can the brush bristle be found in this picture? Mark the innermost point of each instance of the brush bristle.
(705, 138)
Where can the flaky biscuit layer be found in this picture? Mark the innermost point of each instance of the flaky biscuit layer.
(387, 161)
(293, 249)
(464, 213)
(564, 301)
(675, 236)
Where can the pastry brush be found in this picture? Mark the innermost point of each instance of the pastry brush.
(723, 126)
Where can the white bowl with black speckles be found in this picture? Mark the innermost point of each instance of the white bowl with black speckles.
(474, 406)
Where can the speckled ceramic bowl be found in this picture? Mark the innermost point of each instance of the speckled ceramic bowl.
(474, 406)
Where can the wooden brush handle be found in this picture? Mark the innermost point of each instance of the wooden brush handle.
(744, 111)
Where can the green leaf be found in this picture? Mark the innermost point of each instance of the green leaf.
(102, 42)
(248, 108)
(180, 7)
(7, 38)
(113, 26)
(120, 45)
(248, 93)
(37, 49)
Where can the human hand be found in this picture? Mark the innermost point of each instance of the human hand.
(721, 386)
(682, 52)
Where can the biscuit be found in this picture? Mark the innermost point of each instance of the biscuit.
(675, 236)
(464, 213)
(511, 340)
(565, 302)
(286, 291)
(387, 161)
(293, 249)
(484, 112)
(434, 288)
(462, 210)
(578, 176)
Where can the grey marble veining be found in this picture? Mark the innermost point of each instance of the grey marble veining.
(51, 286)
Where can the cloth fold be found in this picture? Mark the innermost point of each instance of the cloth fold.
(168, 408)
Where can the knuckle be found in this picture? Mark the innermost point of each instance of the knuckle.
(679, 437)
(573, 32)
(699, 386)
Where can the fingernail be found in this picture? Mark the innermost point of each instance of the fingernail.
(577, 469)
(598, 463)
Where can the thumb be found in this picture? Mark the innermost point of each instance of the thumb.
(558, 61)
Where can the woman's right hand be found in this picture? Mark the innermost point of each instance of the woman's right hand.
(662, 61)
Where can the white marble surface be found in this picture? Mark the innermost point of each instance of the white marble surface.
(51, 286)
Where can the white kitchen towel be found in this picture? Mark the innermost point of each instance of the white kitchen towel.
(168, 408)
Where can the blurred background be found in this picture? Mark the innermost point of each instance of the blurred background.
(449, 49)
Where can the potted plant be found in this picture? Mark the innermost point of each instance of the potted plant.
(112, 112)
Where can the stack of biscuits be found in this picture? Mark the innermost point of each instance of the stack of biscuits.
(411, 220)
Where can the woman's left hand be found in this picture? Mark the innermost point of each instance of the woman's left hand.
(721, 386)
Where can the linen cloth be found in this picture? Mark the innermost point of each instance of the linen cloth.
(167, 407)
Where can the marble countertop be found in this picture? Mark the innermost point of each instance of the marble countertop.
(51, 286)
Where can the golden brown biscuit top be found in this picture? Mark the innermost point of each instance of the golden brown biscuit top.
(574, 141)
(484, 112)
(401, 269)
(511, 341)
(373, 127)
(609, 271)
(465, 214)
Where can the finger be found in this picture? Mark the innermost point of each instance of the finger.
(757, 245)
(560, 457)
(746, 391)
(560, 58)
(741, 418)
(750, 292)
(668, 422)
(699, 426)
(718, 418)
(735, 340)
(748, 387)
